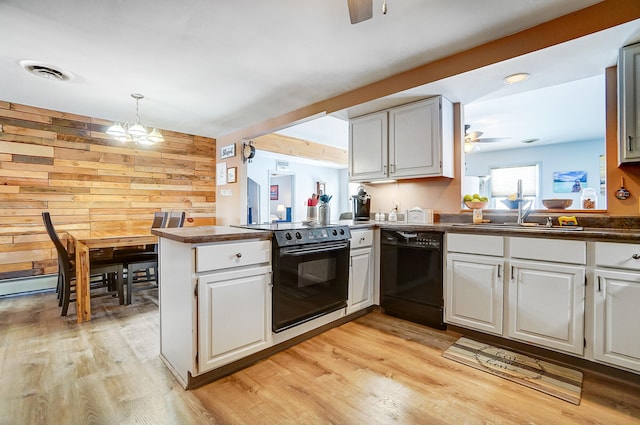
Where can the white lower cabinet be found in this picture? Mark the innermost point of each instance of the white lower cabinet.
(215, 303)
(616, 305)
(473, 295)
(546, 305)
(527, 289)
(617, 318)
(361, 271)
(233, 315)
(474, 292)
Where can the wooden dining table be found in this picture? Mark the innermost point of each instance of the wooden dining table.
(85, 240)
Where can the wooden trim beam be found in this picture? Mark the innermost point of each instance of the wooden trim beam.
(286, 145)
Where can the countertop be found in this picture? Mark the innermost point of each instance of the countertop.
(602, 234)
(206, 234)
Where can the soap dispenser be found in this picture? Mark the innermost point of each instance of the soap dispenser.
(393, 216)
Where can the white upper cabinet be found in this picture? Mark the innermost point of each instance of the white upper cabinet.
(368, 147)
(629, 103)
(409, 141)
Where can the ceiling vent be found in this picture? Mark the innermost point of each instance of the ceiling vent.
(45, 71)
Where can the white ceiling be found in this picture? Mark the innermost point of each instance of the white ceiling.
(213, 67)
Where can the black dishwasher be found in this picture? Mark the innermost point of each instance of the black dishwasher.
(411, 278)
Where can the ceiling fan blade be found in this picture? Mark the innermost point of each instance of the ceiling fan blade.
(360, 10)
(493, 139)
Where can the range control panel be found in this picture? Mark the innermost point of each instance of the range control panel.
(309, 235)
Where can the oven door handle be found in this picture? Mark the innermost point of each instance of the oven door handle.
(319, 248)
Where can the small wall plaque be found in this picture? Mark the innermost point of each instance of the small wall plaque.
(228, 151)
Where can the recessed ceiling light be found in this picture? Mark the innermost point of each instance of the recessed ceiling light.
(516, 78)
(45, 71)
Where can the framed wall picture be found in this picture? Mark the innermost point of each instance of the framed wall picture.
(228, 151)
(273, 192)
(231, 174)
(320, 188)
(221, 173)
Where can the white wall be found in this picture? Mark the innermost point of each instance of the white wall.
(558, 157)
(304, 185)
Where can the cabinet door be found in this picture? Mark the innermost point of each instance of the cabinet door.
(414, 139)
(474, 292)
(233, 313)
(368, 147)
(546, 305)
(617, 321)
(360, 279)
(629, 103)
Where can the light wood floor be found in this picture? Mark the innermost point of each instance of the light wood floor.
(375, 370)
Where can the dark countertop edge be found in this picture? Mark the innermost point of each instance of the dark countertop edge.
(207, 234)
(588, 234)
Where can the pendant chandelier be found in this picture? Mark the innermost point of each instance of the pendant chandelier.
(135, 133)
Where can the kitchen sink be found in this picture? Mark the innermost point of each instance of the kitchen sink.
(525, 226)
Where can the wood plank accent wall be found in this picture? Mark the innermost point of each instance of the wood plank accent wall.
(66, 164)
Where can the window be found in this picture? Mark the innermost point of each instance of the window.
(504, 182)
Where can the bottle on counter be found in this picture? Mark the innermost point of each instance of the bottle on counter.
(393, 217)
(589, 199)
(477, 215)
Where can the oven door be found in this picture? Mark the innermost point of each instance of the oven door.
(308, 281)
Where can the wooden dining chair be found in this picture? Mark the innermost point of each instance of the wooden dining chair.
(145, 259)
(159, 221)
(142, 272)
(176, 219)
(100, 268)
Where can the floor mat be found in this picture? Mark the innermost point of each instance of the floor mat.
(552, 379)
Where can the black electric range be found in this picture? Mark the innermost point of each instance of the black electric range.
(310, 271)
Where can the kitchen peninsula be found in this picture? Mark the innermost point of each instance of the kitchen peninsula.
(216, 283)
(216, 309)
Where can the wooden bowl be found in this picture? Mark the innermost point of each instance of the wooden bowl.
(476, 205)
(557, 204)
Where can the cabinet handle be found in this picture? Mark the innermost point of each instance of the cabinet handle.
(512, 270)
(599, 285)
(384, 169)
(499, 267)
(239, 255)
(629, 143)
(636, 256)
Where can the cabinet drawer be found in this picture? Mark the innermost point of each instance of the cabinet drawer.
(475, 244)
(555, 250)
(618, 255)
(361, 238)
(235, 254)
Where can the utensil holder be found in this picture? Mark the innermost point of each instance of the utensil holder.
(312, 214)
(324, 214)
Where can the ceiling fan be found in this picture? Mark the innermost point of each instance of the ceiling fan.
(474, 137)
(361, 10)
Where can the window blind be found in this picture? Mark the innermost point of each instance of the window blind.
(504, 181)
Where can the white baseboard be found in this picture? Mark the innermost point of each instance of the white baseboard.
(27, 284)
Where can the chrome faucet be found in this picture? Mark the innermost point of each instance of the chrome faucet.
(522, 212)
